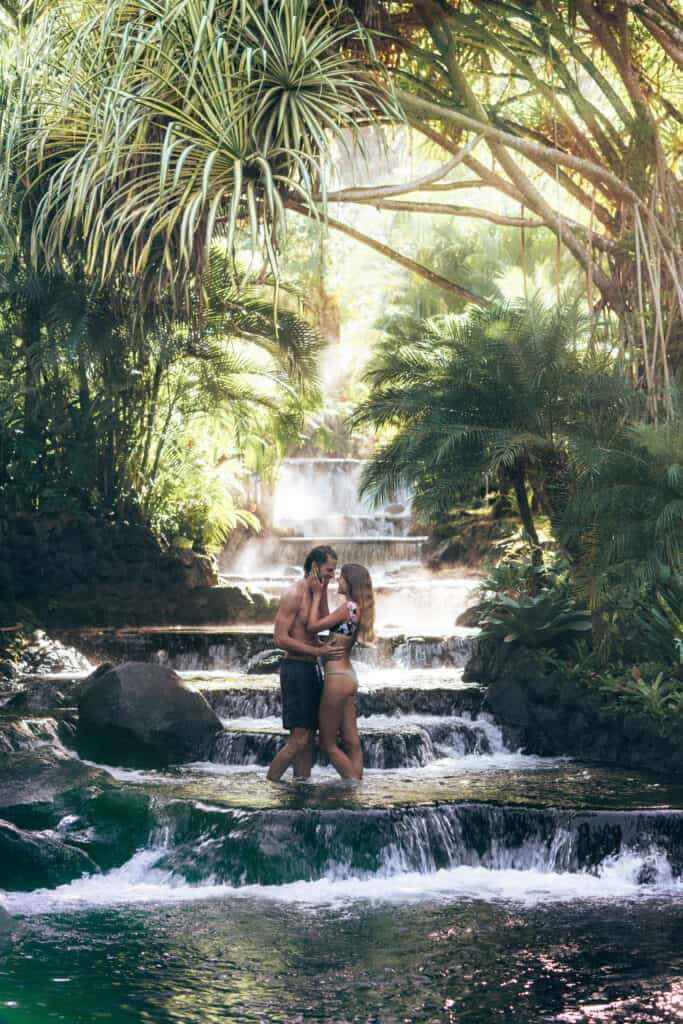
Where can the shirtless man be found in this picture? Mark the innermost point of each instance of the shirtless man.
(301, 680)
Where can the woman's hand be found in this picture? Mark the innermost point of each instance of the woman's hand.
(315, 584)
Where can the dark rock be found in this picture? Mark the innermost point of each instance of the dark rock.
(43, 789)
(30, 860)
(73, 571)
(468, 539)
(142, 715)
(265, 663)
(469, 618)
(200, 570)
(8, 670)
(37, 699)
(113, 823)
(99, 671)
(39, 787)
(448, 551)
(553, 714)
(23, 733)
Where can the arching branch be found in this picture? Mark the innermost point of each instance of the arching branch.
(451, 209)
(404, 261)
(381, 191)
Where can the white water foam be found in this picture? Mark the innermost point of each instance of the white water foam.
(369, 677)
(249, 724)
(499, 756)
(139, 881)
(447, 767)
(440, 677)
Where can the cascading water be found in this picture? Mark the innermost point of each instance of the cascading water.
(320, 497)
(450, 878)
(316, 501)
(452, 836)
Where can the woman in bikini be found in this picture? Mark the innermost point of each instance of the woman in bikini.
(352, 620)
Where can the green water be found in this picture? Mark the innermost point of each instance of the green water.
(549, 785)
(469, 890)
(470, 962)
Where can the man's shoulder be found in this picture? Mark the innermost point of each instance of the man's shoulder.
(293, 595)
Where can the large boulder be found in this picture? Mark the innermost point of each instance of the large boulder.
(40, 787)
(142, 715)
(49, 794)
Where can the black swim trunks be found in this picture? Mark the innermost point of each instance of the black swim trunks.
(301, 683)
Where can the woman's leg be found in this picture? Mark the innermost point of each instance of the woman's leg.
(351, 737)
(335, 696)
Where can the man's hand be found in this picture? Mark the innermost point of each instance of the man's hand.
(335, 648)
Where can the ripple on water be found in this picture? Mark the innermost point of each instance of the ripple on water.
(246, 961)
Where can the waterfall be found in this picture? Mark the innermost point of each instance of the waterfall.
(317, 501)
(387, 743)
(320, 497)
(278, 847)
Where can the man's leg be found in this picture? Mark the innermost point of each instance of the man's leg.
(299, 740)
(303, 762)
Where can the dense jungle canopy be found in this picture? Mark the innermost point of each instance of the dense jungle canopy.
(156, 157)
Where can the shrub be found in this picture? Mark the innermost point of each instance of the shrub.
(549, 620)
(658, 695)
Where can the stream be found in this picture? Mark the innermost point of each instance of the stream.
(463, 882)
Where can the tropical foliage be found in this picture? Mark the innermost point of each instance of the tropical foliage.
(572, 110)
(507, 395)
(651, 689)
(140, 130)
(628, 507)
(547, 620)
(145, 417)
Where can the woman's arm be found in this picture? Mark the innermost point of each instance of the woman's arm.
(284, 622)
(316, 621)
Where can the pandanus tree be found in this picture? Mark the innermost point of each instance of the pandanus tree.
(148, 126)
(160, 121)
(572, 110)
(501, 395)
(125, 319)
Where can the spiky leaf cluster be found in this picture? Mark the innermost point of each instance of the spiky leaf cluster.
(149, 125)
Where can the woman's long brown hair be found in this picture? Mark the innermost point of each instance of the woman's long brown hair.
(360, 591)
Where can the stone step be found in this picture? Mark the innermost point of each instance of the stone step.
(277, 847)
(263, 700)
(188, 649)
(386, 745)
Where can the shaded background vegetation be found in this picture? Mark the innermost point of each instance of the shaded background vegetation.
(476, 206)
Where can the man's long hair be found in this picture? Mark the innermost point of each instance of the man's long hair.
(360, 591)
(318, 556)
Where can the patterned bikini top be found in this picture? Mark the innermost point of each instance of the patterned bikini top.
(349, 627)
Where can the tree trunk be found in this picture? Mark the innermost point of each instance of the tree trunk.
(518, 477)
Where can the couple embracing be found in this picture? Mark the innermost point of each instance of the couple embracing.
(317, 679)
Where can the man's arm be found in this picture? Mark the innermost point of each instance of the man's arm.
(284, 620)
